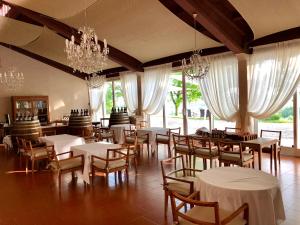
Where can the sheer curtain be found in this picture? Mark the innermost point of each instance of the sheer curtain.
(96, 99)
(274, 73)
(155, 82)
(129, 90)
(220, 87)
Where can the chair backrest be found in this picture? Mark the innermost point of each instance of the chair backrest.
(232, 129)
(276, 134)
(190, 200)
(27, 145)
(142, 124)
(229, 146)
(181, 140)
(171, 164)
(128, 135)
(117, 154)
(172, 131)
(203, 142)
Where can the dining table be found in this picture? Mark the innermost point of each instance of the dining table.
(233, 186)
(87, 150)
(62, 142)
(152, 131)
(119, 131)
(258, 144)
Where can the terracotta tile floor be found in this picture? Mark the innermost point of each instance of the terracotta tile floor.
(36, 200)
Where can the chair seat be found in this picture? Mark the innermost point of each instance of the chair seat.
(206, 152)
(163, 139)
(181, 187)
(182, 148)
(236, 157)
(66, 164)
(112, 165)
(268, 150)
(207, 214)
(38, 153)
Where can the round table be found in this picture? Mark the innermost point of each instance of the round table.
(233, 186)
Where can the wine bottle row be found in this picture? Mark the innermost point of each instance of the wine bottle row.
(81, 112)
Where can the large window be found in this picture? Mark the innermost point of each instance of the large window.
(197, 112)
(281, 121)
(174, 100)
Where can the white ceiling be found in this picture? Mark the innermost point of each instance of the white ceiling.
(269, 16)
(144, 29)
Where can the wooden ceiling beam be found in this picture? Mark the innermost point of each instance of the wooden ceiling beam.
(285, 35)
(47, 61)
(187, 18)
(66, 31)
(222, 20)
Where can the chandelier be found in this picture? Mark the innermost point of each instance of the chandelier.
(87, 57)
(95, 81)
(12, 79)
(196, 67)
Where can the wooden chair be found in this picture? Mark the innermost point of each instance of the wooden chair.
(166, 139)
(115, 161)
(132, 154)
(183, 146)
(208, 213)
(132, 138)
(20, 149)
(181, 180)
(231, 152)
(70, 164)
(276, 135)
(106, 134)
(203, 148)
(35, 153)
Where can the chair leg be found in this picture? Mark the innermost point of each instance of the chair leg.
(194, 162)
(32, 166)
(166, 203)
(278, 156)
(271, 160)
(169, 151)
(93, 174)
(26, 165)
(210, 163)
(135, 164)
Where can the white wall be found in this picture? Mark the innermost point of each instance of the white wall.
(64, 90)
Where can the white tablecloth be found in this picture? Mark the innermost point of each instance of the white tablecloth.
(63, 142)
(97, 149)
(152, 131)
(233, 186)
(118, 130)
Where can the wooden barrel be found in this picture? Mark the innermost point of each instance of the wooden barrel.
(30, 130)
(80, 125)
(119, 118)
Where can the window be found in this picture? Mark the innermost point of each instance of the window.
(281, 121)
(197, 112)
(108, 102)
(174, 102)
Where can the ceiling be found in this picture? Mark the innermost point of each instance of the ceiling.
(145, 30)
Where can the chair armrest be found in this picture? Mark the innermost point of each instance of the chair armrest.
(244, 208)
(73, 157)
(164, 135)
(63, 153)
(141, 135)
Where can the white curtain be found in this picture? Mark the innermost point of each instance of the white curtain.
(96, 99)
(129, 90)
(274, 73)
(220, 87)
(155, 82)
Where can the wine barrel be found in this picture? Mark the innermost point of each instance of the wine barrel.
(30, 130)
(80, 125)
(119, 118)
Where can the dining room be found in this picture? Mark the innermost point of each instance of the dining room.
(149, 112)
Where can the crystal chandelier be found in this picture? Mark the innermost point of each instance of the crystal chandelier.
(87, 57)
(12, 79)
(95, 81)
(196, 67)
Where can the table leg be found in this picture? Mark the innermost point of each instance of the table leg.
(259, 158)
(275, 157)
